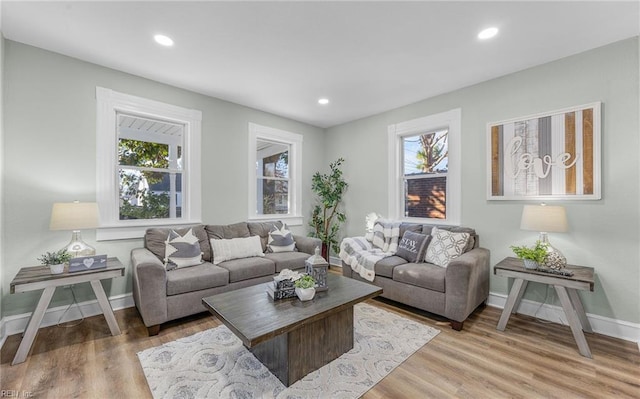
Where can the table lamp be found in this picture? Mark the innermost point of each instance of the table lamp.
(75, 216)
(545, 219)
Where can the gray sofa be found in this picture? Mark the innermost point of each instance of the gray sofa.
(453, 292)
(162, 295)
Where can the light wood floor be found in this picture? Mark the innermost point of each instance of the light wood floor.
(529, 359)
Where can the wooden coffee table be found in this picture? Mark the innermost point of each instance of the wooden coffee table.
(290, 337)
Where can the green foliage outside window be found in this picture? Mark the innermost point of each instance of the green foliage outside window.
(142, 154)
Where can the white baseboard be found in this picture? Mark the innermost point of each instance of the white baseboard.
(18, 323)
(600, 324)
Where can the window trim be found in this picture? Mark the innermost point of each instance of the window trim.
(450, 120)
(109, 104)
(294, 140)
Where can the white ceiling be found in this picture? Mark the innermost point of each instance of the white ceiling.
(280, 57)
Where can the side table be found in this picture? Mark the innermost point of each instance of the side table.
(39, 277)
(565, 287)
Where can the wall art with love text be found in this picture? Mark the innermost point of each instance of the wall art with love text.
(554, 155)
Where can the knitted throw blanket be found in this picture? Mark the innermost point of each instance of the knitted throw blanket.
(363, 253)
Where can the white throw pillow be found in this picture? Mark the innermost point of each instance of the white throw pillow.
(235, 248)
(445, 246)
(281, 240)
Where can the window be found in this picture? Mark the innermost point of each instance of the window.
(424, 169)
(274, 192)
(425, 160)
(148, 169)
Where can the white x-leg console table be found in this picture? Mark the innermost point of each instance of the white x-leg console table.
(39, 277)
(565, 287)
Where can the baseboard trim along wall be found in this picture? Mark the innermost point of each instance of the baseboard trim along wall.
(602, 325)
(18, 323)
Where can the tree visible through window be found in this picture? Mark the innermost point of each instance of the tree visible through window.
(272, 172)
(149, 168)
(425, 170)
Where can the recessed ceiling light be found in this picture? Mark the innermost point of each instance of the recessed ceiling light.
(487, 33)
(163, 40)
(323, 101)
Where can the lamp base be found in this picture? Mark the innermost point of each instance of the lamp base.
(555, 260)
(77, 247)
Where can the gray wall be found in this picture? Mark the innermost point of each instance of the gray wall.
(50, 113)
(604, 234)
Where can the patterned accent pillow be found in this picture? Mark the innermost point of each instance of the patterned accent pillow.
(280, 240)
(235, 248)
(182, 251)
(412, 246)
(445, 246)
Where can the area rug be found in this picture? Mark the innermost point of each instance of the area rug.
(215, 364)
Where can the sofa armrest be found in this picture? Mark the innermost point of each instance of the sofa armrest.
(307, 244)
(149, 286)
(466, 283)
(347, 271)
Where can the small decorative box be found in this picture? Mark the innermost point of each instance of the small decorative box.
(85, 263)
(281, 294)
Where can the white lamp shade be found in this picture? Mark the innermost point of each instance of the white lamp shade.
(544, 218)
(74, 216)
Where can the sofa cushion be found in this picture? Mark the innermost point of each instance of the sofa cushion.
(262, 229)
(182, 250)
(412, 246)
(426, 229)
(196, 278)
(288, 260)
(425, 275)
(155, 238)
(244, 269)
(228, 231)
(445, 246)
(384, 267)
(414, 227)
(280, 240)
(235, 248)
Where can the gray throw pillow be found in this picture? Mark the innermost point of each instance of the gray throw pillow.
(412, 246)
(182, 250)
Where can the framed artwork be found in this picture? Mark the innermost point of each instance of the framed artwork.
(554, 155)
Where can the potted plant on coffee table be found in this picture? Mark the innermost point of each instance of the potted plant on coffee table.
(55, 260)
(533, 257)
(305, 287)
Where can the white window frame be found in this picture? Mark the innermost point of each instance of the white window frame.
(109, 104)
(294, 141)
(450, 120)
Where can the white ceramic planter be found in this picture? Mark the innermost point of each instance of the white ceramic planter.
(530, 264)
(305, 294)
(56, 269)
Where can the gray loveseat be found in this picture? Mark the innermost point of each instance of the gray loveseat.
(162, 295)
(453, 292)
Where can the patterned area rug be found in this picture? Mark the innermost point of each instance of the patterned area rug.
(215, 364)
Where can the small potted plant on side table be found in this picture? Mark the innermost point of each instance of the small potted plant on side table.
(532, 257)
(55, 260)
(305, 287)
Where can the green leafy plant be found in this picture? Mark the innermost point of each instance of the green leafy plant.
(55, 258)
(326, 218)
(305, 282)
(537, 253)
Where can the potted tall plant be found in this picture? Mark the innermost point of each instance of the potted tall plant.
(326, 218)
